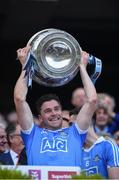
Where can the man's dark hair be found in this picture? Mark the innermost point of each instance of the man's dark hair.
(44, 98)
(102, 106)
(10, 130)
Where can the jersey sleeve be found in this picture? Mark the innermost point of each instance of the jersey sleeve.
(112, 154)
(80, 133)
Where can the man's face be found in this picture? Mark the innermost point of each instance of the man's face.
(78, 98)
(102, 117)
(108, 102)
(16, 140)
(3, 140)
(51, 114)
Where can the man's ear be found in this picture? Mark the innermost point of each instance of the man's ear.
(40, 118)
(41, 121)
(10, 139)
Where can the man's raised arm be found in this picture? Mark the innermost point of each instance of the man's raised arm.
(24, 113)
(85, 115)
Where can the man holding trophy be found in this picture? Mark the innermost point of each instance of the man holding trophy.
(53, 145)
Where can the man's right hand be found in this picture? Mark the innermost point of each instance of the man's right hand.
(22, 54)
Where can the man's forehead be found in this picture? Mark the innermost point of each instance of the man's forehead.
(49, 104)
(102, 109)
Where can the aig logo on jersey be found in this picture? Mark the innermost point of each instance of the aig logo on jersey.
(53, 145)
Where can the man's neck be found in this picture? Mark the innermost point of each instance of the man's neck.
(16, 150)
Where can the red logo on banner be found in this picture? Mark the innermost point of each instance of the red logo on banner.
(63, 175)
(35, 174)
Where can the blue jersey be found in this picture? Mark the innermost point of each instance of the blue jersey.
(98, 158)
(62, 147)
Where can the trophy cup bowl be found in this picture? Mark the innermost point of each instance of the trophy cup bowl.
(57, 55)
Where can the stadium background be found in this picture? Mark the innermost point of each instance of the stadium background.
(94, 23)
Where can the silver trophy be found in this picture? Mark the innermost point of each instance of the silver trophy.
(56, 56)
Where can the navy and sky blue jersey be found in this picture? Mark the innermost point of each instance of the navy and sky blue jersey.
(101, 156)
(62, 147)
